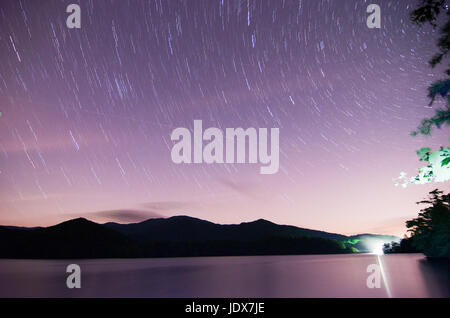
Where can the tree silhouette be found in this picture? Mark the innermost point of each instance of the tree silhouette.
(429, 12)
(438, 168)
(431, 229)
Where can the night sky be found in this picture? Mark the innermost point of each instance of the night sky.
(87, 114)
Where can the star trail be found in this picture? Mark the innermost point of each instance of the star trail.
(86, 114)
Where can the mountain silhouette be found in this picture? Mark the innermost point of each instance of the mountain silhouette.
(78, 238)
(185, 228)
(170, 237)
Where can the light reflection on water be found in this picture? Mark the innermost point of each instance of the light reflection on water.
(407, 275)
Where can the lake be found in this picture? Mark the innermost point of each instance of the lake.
(402, 275)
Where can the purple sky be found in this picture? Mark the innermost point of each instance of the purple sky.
(87, 113)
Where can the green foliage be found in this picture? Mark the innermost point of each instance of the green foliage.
(441, 118)
(428, 12)
(445, 162)
(424, 154)
(440, 87)
(437, 170)
(430, 231)
(443, 45)
(352, 242)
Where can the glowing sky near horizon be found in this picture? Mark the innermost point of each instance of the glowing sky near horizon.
(87, 113)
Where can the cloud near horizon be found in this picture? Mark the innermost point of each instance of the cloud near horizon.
(122, 215)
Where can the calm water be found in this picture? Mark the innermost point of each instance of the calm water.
(259, 276)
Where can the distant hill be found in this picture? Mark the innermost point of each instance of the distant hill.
(78, 238)
(171, 237)
(185, 228)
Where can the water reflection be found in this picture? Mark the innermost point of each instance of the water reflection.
(408, 275)
(436, 274)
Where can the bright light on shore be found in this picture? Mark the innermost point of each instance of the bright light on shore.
(378, 249)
